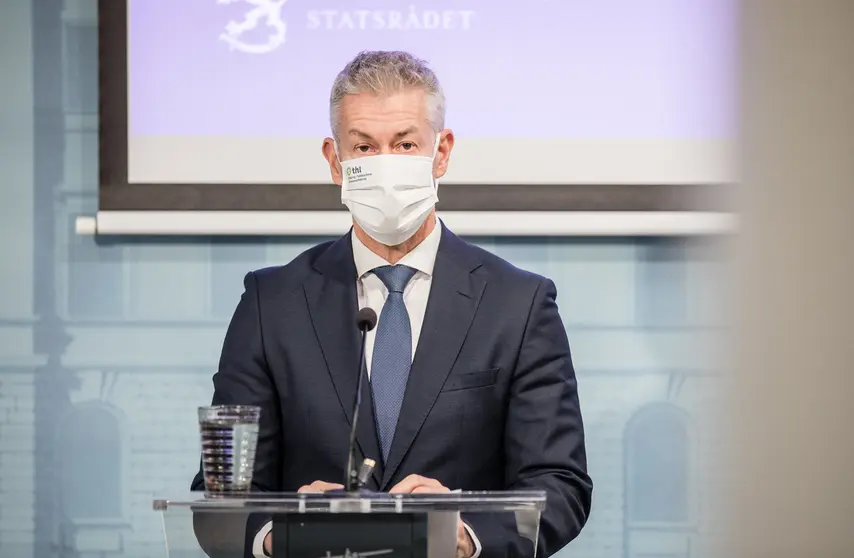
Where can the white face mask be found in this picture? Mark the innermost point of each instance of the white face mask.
(390, 196)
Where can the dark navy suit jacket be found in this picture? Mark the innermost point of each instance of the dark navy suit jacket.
(491, 402)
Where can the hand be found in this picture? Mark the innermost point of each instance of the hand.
(319, 486)
(416, 484)
(465, 546)
(316, 486)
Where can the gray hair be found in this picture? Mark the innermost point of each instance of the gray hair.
(384, 72)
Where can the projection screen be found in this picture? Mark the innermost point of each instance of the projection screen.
(570, 106)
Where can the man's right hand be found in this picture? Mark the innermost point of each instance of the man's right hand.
(316, 486)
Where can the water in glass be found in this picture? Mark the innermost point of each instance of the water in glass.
(229, 440)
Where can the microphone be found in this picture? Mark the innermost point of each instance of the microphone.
(355, 478)
(366, 320)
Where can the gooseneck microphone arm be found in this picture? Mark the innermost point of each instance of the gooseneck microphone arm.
(366, 320)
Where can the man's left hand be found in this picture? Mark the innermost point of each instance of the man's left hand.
(416, 484)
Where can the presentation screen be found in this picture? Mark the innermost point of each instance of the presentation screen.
(541, 92)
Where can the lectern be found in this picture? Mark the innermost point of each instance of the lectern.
(344, 525)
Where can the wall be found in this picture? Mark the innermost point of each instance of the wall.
(106, 348)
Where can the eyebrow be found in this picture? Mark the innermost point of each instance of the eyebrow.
(399, 135)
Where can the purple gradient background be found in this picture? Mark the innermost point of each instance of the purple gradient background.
(535, 68)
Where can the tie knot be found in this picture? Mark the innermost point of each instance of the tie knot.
(395, 277)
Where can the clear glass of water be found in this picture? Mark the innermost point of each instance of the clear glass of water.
(229, 440)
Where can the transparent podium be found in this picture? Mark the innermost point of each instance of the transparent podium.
(341, 525)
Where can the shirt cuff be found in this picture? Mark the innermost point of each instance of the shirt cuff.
(258, 543)
(477, 547)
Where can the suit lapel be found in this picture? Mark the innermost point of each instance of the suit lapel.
(333, 304)
(454, 296)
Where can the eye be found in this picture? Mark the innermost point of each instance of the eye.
(407, 146)
(363, 148)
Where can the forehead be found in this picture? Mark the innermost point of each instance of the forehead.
(382, 115)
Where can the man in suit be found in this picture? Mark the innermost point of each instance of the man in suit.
(471, 384)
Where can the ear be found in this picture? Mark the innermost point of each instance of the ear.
(332, 158)
(443, 153)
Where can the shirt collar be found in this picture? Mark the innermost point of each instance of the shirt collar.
(421, 258)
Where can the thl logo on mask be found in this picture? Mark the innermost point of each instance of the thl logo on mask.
(389, 196)
(355, 173)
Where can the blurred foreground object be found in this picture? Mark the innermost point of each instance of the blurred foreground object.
(792, 472)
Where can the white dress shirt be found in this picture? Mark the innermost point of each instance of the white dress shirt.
(371, 292)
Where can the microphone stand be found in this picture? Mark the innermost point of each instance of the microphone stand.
(356, 477)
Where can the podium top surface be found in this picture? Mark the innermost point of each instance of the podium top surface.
(340, 502)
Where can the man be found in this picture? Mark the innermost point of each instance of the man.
(471, 381)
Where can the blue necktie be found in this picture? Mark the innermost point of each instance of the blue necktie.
(392, 356)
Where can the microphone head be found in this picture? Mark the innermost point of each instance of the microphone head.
(366, 319)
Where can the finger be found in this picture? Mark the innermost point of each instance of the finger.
(319, 486)
(324, 486)
(410, 483)
(465, 545)
(406, 485)
(268, 544)
(430, 489)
